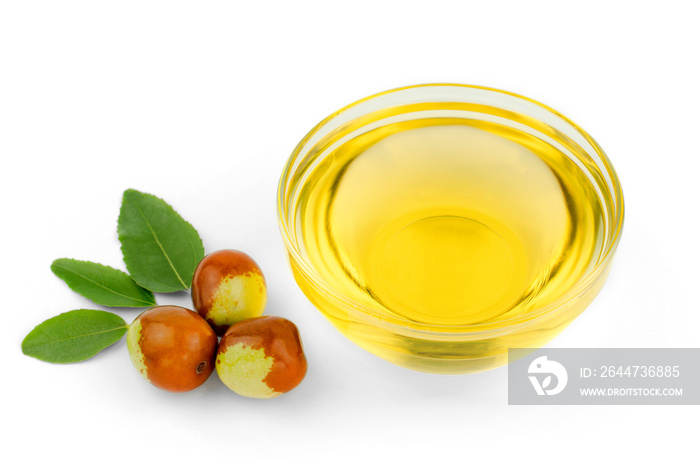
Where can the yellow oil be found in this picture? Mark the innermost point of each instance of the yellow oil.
(449, 221)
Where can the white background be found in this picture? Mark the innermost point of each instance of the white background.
(201, 103)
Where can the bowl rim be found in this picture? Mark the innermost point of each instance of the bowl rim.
(487, 329)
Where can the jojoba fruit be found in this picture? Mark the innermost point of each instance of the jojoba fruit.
(172, 347)
(228, 286)
(261, 357)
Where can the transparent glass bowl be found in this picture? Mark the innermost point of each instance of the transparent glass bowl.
(429, 347)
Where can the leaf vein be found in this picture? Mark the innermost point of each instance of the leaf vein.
(95, 333)
(160, 246)
(103, 286)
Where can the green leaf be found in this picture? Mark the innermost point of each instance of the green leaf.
(102, 284)
(161, 250)
(74, 336)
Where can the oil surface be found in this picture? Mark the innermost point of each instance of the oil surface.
(449, 221)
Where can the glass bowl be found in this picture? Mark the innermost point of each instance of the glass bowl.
(439, 225)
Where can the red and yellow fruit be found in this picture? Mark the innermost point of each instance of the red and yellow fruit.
(261, 357)
(228, 286)
(173, 348)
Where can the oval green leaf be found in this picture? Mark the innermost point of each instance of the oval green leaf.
(161, 250)
(102, 284)
(74, 336)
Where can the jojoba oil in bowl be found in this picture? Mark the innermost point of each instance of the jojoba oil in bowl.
(439, 225)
